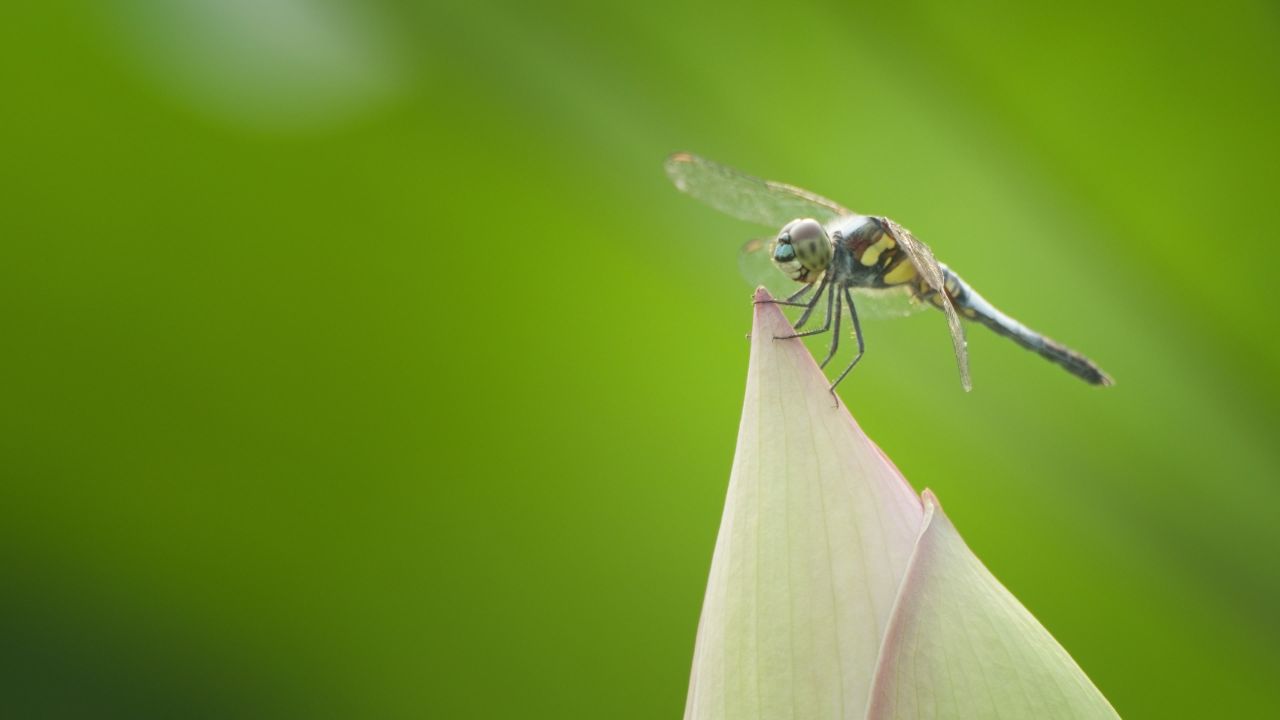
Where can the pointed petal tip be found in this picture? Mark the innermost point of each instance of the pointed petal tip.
(805, 382)
(767, 312)
(932, 508)
(974, 625)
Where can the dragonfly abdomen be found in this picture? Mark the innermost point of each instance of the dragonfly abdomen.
(975, 307)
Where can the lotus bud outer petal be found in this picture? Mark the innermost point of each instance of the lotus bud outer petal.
(960, 645)
(817, 531)
(835, 592)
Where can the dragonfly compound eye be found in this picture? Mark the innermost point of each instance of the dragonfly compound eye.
(803, 249)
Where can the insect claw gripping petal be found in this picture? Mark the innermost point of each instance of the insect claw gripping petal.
(826, 327)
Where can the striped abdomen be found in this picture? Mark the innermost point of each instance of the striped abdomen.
(973, 306)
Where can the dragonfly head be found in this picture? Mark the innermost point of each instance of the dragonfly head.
(802, 250)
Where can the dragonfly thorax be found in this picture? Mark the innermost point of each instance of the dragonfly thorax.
(803, 250)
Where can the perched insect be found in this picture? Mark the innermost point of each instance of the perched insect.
(844, 255)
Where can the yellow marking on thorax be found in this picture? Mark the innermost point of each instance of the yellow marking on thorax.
(901, 272)
(871, 255)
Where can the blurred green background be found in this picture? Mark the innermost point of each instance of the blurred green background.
(359, 361)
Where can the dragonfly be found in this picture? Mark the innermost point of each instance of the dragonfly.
(849, 261)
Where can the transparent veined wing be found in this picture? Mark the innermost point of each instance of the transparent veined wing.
(746, 197)
(927, 266)
(887, 303)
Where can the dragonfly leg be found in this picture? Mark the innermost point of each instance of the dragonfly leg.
(857, 333)
(822, 288)
(790, 299)
(830, 302)
(835, 329)
(799, 293)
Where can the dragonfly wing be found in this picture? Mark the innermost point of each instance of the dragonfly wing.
(886, 303)
(927, 266)
(746, 197)
(758, 268)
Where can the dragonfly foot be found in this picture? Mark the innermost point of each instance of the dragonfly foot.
(780, 302)
(806, 333)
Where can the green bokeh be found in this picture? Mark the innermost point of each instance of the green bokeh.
(396, 381)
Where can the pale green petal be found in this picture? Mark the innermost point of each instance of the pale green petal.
(817, 532)
(836, 594)
(961, 646)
